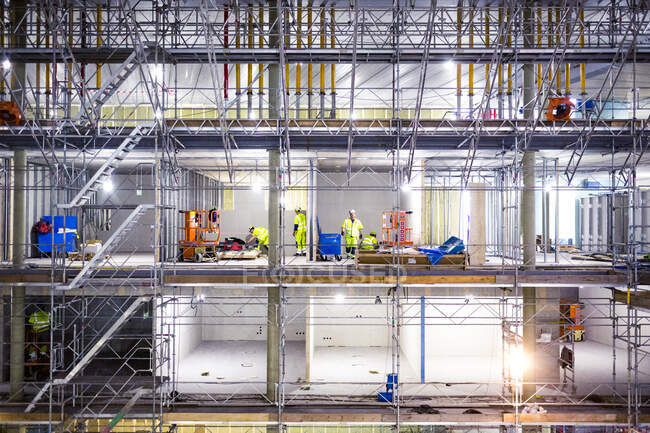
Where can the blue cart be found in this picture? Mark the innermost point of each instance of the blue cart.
(64, 230)
(329, 244)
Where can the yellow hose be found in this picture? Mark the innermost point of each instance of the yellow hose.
(332, 45)
(487, 45)
(558, 75)
(237, 45)
(260, 67)
(539, 45)
(249, 80)
(98, 75)
(583, 78)
(509, 64)
(322, 45)
(38, 43)
(299, 45)
(471, 45)
(500, 67)
(310, 41)
(286, 46)
(549, 38)
(459, 70)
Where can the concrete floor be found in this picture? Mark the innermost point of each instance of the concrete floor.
(360, 372)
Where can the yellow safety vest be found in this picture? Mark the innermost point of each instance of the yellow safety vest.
(352, 228)
(262, 235)
(368, 243)
(301, 221)
(40, 321)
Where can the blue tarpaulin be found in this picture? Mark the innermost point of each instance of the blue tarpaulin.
(453, 245)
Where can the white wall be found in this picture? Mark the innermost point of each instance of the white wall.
(186, 328)
(245, 319)
(351, 322)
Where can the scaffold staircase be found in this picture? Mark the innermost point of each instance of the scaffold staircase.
(110, 86)
(94, 349)
(108, 248)
(108, 167)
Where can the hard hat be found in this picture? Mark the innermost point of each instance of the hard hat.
(353, 211)
(298, 209)
(251, 228)
(373, 234)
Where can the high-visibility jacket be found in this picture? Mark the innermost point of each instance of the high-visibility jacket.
(300, 222)
(351, 228)
(369, 243)
(40, 321)
(262, 235)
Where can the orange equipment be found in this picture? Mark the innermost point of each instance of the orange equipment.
(573, 319)
(202, 230)
(559, 108)
(395, 221)
(10, 113)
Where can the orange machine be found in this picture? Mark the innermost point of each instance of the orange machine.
(201, 231)
(396, 222)
(559, 108)
(10, 113)
(572, 321)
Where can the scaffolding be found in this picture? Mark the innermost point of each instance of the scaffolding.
(114, 86)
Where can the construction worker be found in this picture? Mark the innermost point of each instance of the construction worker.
(40, 321)
(370, 242)
(262, 236)
(300, 232)
(351, 229)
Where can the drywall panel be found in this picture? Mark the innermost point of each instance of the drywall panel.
(476, 248)
(350, 322)
(245, 319)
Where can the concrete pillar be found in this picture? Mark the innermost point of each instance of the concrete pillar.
(273, 293)
(275, 237)
(17, 351)
(529, 293)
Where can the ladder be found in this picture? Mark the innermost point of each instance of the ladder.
(110, 246)
(108, 167)
(83, 362)
(110, 86)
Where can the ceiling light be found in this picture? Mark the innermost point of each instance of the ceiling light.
(548, 188)
(449, 64)
(107, 186)
(6, 64)
(406, 187)
(256, 187)
(340, 298)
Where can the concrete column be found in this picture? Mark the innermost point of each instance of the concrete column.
(273, 293)
(529, 293)
(17, 352)
(274, 209)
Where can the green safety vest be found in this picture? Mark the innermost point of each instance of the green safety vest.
(369, 243)
(262, 235)
(301, 221)
(352, 228)
(40, 321)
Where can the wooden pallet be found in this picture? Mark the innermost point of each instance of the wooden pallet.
(239, 255)
(374, 258)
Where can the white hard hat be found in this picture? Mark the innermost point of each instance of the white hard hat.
(353, 211)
